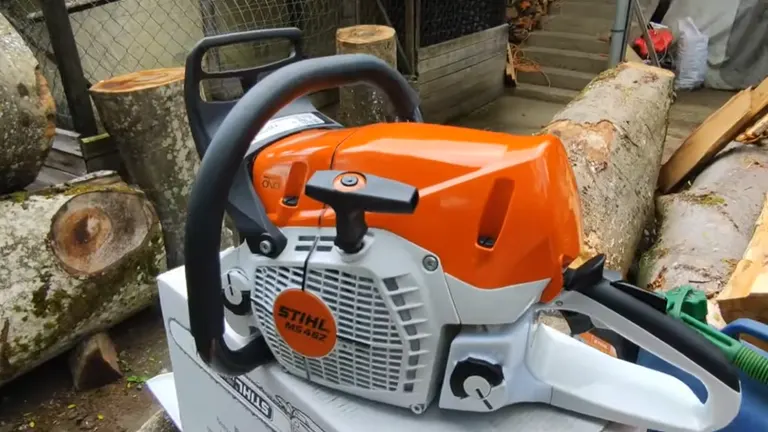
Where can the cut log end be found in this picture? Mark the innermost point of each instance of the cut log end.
(137, 81)
(94, 363)
(364, 34)
(95, 230)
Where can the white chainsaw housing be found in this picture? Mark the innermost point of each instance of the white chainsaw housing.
(394, 315)
(404, 327)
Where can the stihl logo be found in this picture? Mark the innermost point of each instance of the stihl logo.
(297, 317)
(305, 322)
(251, 395)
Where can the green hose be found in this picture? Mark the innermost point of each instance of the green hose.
(752, 364)
(685, 303)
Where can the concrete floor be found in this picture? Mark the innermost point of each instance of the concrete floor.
(522, 116)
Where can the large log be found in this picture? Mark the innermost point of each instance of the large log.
(704, 230)
(614, 134)
(74, 259)
(144, 114)
(362, 104)
(27, 112)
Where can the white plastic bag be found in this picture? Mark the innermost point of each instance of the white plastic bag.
(692, 52)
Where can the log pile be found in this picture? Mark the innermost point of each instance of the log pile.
(714, 190)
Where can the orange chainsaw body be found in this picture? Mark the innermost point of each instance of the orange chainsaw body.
(518, 191)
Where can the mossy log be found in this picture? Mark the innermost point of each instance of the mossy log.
(144, 113)
(362, 104)
(27, 112)
(75, 259)
(614, 133)
(704, 230)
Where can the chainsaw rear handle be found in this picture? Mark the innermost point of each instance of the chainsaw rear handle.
(640, 316)
(208, 198)
(194, 74)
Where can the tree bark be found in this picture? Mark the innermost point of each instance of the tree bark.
(703, 231)
(614, 134)
(144, 113)
(75, 259)
(362, 104)
(28, 112)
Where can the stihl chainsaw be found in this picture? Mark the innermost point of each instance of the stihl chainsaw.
(406, 263)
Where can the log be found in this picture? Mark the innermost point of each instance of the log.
(362, 104)
(144, 113)
(746, 294)
(27, 124)
(75, 259)
(614, 133)
(703, 231)
(94, 363)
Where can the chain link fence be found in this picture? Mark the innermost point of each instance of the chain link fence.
(115, 37)
(443, 20)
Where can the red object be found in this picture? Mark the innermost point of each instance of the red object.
(661, 39)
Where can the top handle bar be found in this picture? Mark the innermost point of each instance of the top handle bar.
(197, 108)
(208, 199)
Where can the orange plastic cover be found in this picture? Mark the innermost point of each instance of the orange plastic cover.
(517, 190)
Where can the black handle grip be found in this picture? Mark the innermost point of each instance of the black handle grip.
(208, 199)
(194, 73)
(669, 330)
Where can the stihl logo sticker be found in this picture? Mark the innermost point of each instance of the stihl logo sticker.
(305, 323)
(251, 395)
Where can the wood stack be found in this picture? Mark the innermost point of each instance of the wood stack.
(715, 190)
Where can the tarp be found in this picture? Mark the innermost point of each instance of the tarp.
(738, 38)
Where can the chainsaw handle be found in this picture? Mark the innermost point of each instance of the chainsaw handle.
(632, 394)
(219, 166)
(197, 108)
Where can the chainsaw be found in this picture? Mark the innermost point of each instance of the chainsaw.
(407, 263)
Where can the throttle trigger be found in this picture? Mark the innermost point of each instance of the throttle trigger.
(351, 194)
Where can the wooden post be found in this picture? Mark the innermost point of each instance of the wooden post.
(362, 104)
(144, 114)
(68, 61)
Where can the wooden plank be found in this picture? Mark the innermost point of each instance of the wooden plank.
(483, 93)
(51, 176)
(461, 42)
(66, 162)
(746, 294)
(466, 96)
(719, 129)
(495, 43)
(486, 52)
(67, 142)
(458, 82)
